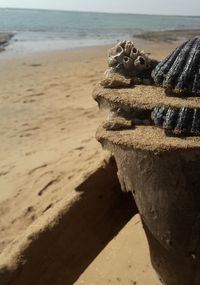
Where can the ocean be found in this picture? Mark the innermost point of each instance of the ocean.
(44, 30)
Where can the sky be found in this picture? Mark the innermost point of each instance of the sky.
(163, 7)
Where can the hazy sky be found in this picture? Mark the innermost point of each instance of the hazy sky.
(177, 7)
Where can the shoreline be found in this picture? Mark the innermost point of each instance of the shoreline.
(150, 47)
(168, 36)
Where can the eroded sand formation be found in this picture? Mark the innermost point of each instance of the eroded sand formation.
(158, 154)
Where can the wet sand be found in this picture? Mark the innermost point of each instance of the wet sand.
(169, 36)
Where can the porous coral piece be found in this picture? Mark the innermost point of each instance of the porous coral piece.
(124, 58)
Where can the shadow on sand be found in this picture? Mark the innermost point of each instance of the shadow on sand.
(61, 253)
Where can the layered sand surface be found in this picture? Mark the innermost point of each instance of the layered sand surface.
(48, 123)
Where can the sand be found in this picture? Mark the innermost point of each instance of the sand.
(169, 36)
(142, 97)
(48, 122)
(130, 267)
(60, 244)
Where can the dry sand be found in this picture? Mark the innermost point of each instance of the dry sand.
(125, 260)
(48, 122)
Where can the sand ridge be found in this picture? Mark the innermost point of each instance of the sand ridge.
(149, 138)
(142, 97)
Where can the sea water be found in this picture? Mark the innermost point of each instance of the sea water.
(44, 30)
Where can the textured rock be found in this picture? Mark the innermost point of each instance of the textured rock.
(180, 71)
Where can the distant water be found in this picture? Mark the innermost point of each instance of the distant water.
(42, 30)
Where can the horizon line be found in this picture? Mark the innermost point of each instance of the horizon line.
(99, 12)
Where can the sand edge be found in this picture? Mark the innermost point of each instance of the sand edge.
(47, 238)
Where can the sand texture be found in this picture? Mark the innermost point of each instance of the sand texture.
(131, 260)
(149, 138)
(142, 97)
(166, 191)
(60, 246)
(48, 122)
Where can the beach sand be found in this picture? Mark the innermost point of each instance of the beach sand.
(48, 122)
